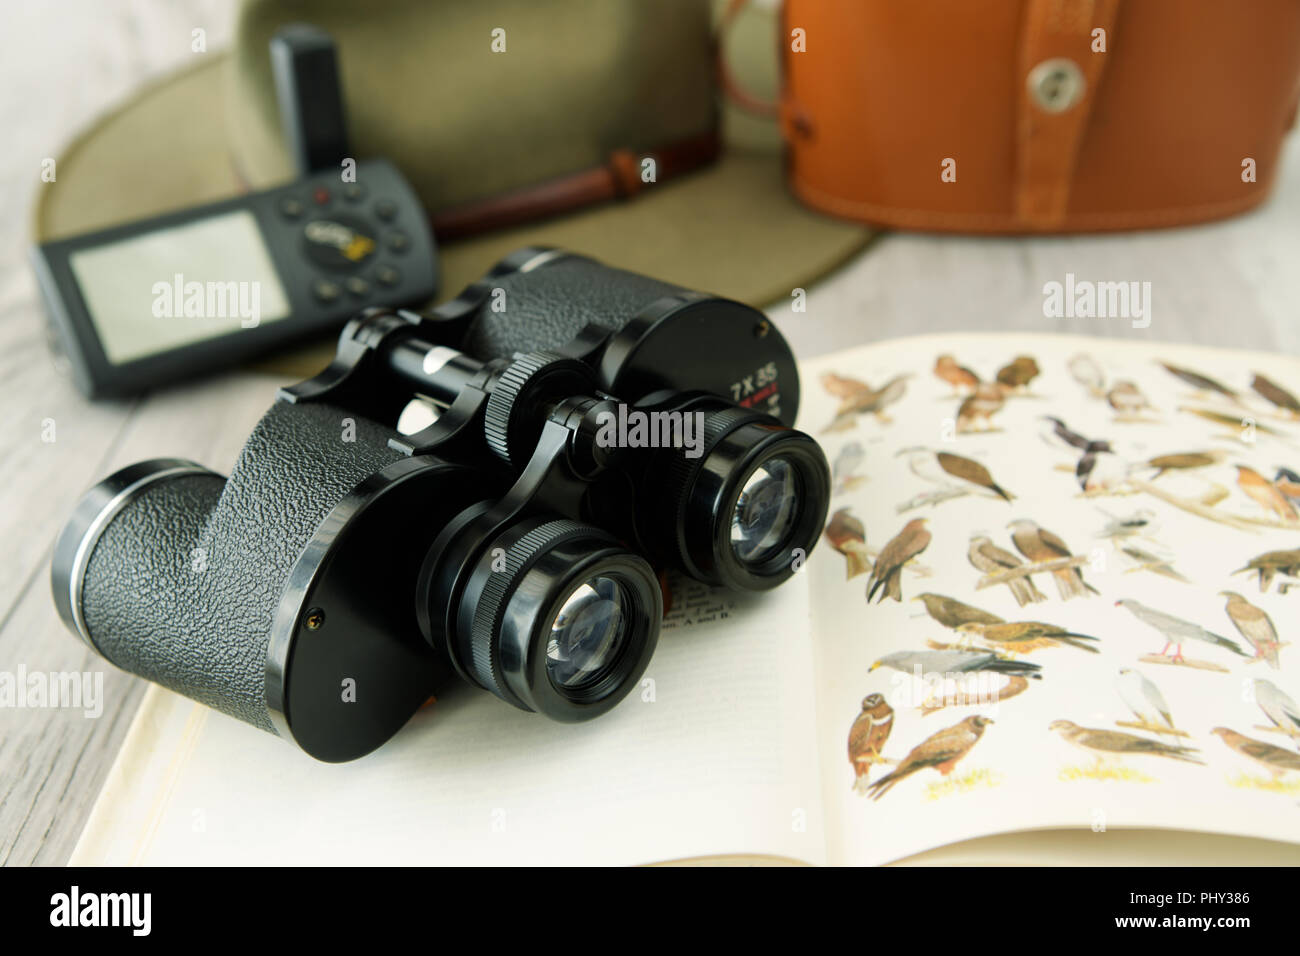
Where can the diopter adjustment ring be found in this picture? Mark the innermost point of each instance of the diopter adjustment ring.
(516, 412)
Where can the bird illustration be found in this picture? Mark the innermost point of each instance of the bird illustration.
(940, 750)
(863, 400)
(1234, 422)
(943, 467)
(1275, 760)
(953, 614)
(1276, 394)
(1273, 562)
(886, 576)
(1184, 461)
(955, 662)
(986, 556)
(1288, 482)
(1038, 544)
(1018, 373)
(1108, 743)
(1062, 435)
(1143, 697)
(1024, 637)
(1127, 400)
(962, 379)
(1202, 383)
(1254, 624)
(1263, 492)
(846, 463)
(847, 536)
(867, 736)
(1175, 630)
(1146, 561)
(1085, 370)
(1278, 707)
(1098, 467)
(979, 408)
(1138, 523)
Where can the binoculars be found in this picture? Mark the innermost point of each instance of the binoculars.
(588, 429)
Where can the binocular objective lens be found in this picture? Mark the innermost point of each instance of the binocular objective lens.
(766, 511)
(588, 633)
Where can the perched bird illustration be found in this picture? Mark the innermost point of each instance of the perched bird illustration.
(1023, 637)
(1263, 492)
(863, 400)
(940, 750)
(847, 536)
(1127, 400)
(867, 738)
(1038, 544)
(1143, 697)
(953, 614)
(1275, 760)
(962, 379)
(1110, 743)
(1085, 370)
(886, 576)
(1018, 373)
(1276, 394)
(1278, 707)
(1146, 561)
(986, 556)
(1175, 630)
(844, 388)
(956, 662)
(1184, 461)
(1127, 526)
(1288, 482)
(953, 471)
(979, 408)
(1273, 562)
(1254, 624)
(1202, 383)
(846, 463)
(1098, 467)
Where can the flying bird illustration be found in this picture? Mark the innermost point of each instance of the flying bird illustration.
(1278, 707)
(1202, 383)
(1127, 400)
(956, 662)
(1062, 435)
(962, 379)
(941, 751)
(1098, 467)
(979, 408)
(1275, 760)
(1265, 494)
(1276, 394)
(986, 556)
(1085, 370)
(1254, 624)
(860, 399)
(867, 736)
(1143, 697)
(1175, 630)
(1024, 637)
(1038, 544)
(954, 614)
(1273, 562)
(952, 471)
(1018, 373)
(1185, 461)
(1146, 561)
(1111, 743)
(847, 536)
(886, 576)
(846, 463)
(1127, 526)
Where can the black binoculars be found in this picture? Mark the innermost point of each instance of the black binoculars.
(587, 429)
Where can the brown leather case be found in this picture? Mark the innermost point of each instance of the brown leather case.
(1045, 131)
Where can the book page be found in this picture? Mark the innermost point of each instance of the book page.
(709, 756)
(1144, 672)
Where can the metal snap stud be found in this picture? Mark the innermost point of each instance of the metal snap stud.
(1056, 85)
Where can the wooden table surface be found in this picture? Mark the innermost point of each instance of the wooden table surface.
(1235, 283)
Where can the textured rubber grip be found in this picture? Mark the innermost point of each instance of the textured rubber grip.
(546, 308)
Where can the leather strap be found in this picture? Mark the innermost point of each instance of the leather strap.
(618, 178)
(1056, 55)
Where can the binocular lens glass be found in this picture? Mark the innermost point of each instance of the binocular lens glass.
(588, 634)
(766, 511)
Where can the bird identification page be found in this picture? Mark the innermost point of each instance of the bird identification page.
(1058, 590)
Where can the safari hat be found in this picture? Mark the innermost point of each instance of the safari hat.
(473, 101)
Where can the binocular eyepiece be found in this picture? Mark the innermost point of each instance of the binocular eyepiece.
(591, 428)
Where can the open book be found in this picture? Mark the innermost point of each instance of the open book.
(1053, 619)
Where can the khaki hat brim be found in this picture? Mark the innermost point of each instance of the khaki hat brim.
(732, 229)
